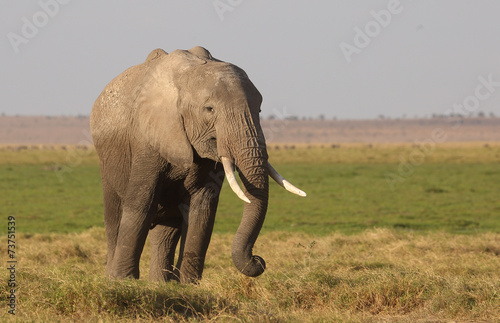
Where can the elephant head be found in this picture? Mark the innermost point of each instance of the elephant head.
(190, 106)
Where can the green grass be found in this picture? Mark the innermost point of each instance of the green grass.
(43, 201)
(352, 198)
(455, 189)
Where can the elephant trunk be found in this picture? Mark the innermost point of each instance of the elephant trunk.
(252, 168)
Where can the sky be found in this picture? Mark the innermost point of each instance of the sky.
(337, 58)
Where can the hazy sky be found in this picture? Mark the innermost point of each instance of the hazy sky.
(349, 59)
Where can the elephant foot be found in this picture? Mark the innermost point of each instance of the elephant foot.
(163, 275)
(120, 273)
(191, 269)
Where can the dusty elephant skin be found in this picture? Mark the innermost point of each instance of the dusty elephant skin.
(167, 131)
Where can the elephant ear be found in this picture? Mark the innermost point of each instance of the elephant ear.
(157, 113)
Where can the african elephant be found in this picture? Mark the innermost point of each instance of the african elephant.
(167, 132)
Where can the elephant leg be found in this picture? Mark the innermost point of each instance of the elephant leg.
(198, 222)
(134, 227)
(112, 216)
(164, 237)
(139, 207)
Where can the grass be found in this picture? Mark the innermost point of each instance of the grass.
(455, 189)
(360, 248)
(380, 275)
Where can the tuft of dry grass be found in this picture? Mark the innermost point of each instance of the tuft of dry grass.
(378, 275)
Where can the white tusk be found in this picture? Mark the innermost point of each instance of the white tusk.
(283, 182)
(231, 179)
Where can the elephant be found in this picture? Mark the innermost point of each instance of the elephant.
(167, 132)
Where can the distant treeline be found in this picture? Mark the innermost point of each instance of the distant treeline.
(479, 114)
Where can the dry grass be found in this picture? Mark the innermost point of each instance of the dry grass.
(379, 275)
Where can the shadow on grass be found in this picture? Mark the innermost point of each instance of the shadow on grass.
(129, 299)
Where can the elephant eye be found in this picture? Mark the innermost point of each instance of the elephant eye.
(209, 109)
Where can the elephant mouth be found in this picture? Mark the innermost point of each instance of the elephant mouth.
(207, 148)
(233, 183)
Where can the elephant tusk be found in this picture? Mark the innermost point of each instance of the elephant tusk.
(231, 179)
(283, 182)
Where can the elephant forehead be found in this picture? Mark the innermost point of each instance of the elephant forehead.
(211, 82)
(212, 74)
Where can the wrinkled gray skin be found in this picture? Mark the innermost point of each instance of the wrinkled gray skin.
(160, 130)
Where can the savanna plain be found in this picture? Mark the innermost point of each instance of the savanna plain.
(387, 233)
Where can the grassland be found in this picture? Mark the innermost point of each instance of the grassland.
(362, 247)
(350, 188)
